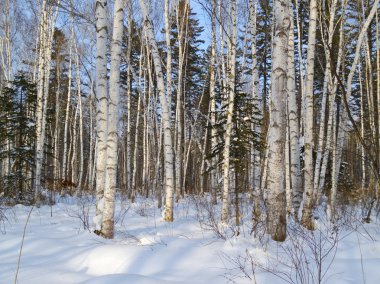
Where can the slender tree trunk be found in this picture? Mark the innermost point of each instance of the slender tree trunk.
(57, 123)
(113, 121)
(40, 100)
(332, 89)
(66, 127)
(80, 113)
(309, 201)
(214, 139)
(288, 191)
(142, 90)
(101, 107)
(295, 152)
(168, 53)
(48, 25)
(128, 159)
(182, 16)
(344, 119)
(91, 142)
(230, 109)
(300, 68)
(74, 144)
(255, 154)
(275, 189)
(168, 145)
(363, 182)
(323, 112)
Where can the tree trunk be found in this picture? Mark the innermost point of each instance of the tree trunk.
(47, 30)
(168, 145)
(230, 109)
(101, 107)
(113, 121)
(214, 139)
(309, 201)
(275, 189)
(80, 113)
(255, 154)
(295, 152)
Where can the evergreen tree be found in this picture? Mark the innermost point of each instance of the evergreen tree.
(17, 127)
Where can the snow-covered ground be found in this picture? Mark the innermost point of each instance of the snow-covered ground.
(58, 249)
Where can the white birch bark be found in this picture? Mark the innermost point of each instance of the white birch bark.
(331, 127)
(308, 207)
(113, 122)
(203, 162)
(49, 17)
(40, 99)
(295, 152)
(363, 183)
(129, 93)
(147, 148)
(230, 101)
(6, 43)
(182, 29)
(300, 68)
(369, 85)
(168, 145)
(288, 191)
(323, 114)
(91, 159)
(168, 53)
(223, 78)
(74, 145)
(101, 107)
(68, 103)
(137, 126)
(344, 119)
(255, 154)
(275, 188)
(142, 90)
(80, 114)
(214, 140)
(57, 122)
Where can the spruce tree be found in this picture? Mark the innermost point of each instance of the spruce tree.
(17, 127)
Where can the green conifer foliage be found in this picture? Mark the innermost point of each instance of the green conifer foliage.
(17, 136)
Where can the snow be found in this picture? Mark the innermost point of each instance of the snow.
(146, 250)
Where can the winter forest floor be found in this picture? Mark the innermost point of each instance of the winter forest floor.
(193, 249)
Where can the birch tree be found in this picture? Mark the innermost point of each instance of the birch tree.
(347, 116)
(68, 103)
(80, 114)
(47, 26)
(214, 142)
(275, 190)
(168, 144)
(232, 44)
(255, 154)
(308, 207)
(295, 153)
(113, 121)
(182, 18)
(101, 106)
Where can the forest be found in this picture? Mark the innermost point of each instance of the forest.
(259, 119)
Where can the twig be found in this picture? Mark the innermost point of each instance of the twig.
(22, 244)
(361, 259)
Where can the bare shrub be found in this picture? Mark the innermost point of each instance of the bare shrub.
(305, 257)
(208, 218)
(81, 211)
(3, 219)
(120, 215)
(144, 208)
